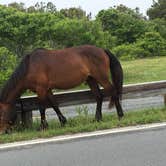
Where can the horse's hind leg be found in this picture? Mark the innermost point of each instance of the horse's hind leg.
(54, 104)
(98, 96)
(110, 90)
(44, 124)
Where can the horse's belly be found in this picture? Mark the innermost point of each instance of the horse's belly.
(69, 81)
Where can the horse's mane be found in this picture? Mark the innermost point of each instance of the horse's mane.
(16, 76)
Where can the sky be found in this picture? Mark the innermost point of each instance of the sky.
(93, 6)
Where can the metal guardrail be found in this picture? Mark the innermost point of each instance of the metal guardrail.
(85, 96)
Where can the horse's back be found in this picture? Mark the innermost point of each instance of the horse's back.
(66, 68)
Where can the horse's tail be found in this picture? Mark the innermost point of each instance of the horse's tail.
(117, 76)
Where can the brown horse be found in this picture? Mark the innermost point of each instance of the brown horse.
(44, 70)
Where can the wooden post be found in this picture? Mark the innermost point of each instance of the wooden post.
(165, 99)
(19, 118)
(26, 118)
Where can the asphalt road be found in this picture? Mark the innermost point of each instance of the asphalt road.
(128, 105)
(143, 148)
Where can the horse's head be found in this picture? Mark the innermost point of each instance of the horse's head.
(7, 117)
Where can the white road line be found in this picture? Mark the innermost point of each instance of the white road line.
(81, 135)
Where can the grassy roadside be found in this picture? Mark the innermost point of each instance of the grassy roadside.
(85, 123)
(144, 70)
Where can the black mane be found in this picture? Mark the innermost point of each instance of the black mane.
(16, 76)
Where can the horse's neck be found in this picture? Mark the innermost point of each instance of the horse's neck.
(14, 86)
(13, 94)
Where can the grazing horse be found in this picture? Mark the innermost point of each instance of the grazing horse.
(44, 70)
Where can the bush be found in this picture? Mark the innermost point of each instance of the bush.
(73, 32)
(153, 43)
(158, 25)
(130, 51)
(7, 64)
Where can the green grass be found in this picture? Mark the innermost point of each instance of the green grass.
(144, 70)
(84, 122)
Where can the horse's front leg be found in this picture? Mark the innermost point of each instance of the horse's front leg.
(54, 105)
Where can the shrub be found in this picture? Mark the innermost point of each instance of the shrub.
(130, 51)
(7, 64)
(153, 43)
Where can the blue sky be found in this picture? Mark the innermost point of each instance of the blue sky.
(93, 6)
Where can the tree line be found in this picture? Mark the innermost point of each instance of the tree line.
(125, 31)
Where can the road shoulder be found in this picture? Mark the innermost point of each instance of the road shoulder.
(24, 144)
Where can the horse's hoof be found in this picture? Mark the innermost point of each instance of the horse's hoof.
(63, 121)
(120, 117)
(98, 118)
(43, 127)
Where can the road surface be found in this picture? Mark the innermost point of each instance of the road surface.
(143, 148)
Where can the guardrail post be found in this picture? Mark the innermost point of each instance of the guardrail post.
(165, 99)
(19, 119)
(26, 118)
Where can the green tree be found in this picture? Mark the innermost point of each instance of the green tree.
(153, 43)
(72, 32)
(44, 7)
(40, 6)
(158, 10)
(17, 30)
(130, 51)
(19, 6)
(7, 64)
(127, 26)
(150, 44)
(134, 13)
(158, 25)
(73, 13)
(21, 31)
(51, 7)
(31, 9)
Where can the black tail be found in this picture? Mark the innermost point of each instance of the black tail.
(116, 73)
